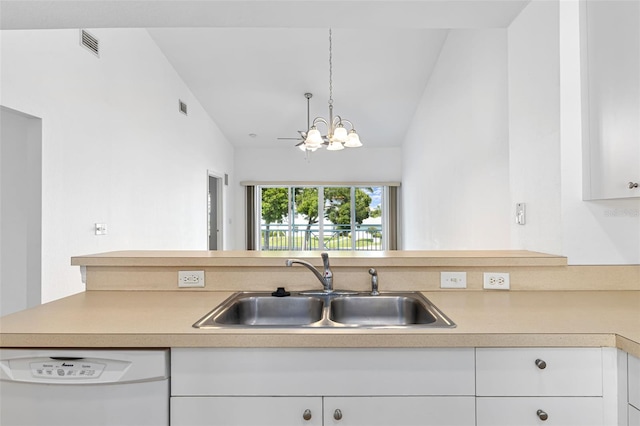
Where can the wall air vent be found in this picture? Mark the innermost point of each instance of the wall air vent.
(182, 107)
(89, 42)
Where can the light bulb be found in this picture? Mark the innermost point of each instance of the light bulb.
(353, 141)
(334, 146)
(314, 138)
(340, 134)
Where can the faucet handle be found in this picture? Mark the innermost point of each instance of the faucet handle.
(374, 282)
(325, 260)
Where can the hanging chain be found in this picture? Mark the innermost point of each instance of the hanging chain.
(330, 70)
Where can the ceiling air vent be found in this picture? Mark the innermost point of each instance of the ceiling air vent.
(182, 107)
(89, 42)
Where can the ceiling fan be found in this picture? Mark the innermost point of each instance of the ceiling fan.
(303, 133)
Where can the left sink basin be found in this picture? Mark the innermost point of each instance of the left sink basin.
(247, 309)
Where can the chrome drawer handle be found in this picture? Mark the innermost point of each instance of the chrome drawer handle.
(542, 415)
(541, 364)
(337, 414)
(307, 414)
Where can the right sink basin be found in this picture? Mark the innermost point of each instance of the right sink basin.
(387, 310)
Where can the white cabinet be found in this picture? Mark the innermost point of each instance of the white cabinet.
(565, 411)
(308, 411)
(611, 64)
(395, 386)
(634, 416)
(522, 386)
(633, 380)
(394, 411)
(407, 386)
(246, 411)
(322, 371)
(539, 371)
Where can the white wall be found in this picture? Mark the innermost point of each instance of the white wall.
(534, 126)
(365, 164)
(593, 232)
(20, 211)
(545, 125)
(115, 148)
(455, 157)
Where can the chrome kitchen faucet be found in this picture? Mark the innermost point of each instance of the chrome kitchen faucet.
(326, 278)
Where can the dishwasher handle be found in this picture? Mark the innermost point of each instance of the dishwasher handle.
(66, 358)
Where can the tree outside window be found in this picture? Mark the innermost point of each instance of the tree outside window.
(351, 218)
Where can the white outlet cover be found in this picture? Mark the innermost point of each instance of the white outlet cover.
(496, 281)
(190, 278)
(453, 280)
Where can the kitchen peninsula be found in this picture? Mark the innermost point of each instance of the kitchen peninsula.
(562, 343)
(132, 300)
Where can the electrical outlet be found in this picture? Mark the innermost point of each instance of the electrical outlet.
(453, 280)
(190, 278)
(496, 281)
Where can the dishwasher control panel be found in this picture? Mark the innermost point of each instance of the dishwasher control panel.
(63, 370)
(67, 369)
(83, 366)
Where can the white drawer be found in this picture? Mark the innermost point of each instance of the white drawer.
(634, 416)
(561, 411)
(400, 411)
(634, 381)
(539, 372)
(322, 371)
(246, 411)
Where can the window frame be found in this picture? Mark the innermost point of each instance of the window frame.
(389, 222)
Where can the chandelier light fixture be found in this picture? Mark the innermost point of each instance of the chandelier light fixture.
(337, 136)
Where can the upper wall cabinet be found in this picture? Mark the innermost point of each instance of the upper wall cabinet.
(611, 86)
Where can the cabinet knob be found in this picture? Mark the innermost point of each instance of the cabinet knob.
(337, 414)
(633, 185)
(542, 415)
(307, 414)
(541, 364)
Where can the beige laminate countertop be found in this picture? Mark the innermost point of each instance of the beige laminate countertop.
(244, 258)
(146, 319)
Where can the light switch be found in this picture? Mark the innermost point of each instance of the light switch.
(101, 229)
(520, 214)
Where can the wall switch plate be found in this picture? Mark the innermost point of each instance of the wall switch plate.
(190, 278)
(496, 281)
(521, 214)
(101, 229)
(453, 280)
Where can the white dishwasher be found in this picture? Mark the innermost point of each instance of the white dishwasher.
(51, 387)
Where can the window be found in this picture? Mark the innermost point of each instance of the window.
(301, 217)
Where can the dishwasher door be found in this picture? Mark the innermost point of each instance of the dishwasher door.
(84, 387)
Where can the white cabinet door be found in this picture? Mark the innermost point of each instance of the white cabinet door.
(563, 411)
(399, 411)
(246, 411)
(612, 39)
(634, 381)
(539, 372)
(634, 416)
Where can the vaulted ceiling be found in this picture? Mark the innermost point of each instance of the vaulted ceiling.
(249, 63)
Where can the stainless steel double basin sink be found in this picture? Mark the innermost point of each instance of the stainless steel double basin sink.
(326, 310)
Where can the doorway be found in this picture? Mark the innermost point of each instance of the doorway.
(20, 211)
(214, 212)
